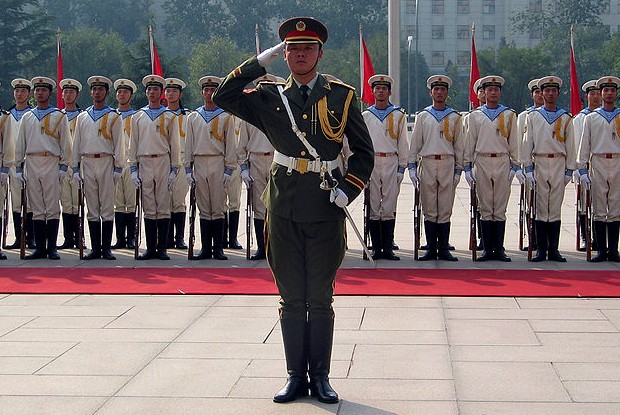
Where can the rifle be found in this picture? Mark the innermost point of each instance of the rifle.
(366, 219)
(472, 221)
(588, 225)
(81, 219)
(248, 222)
(5, 224)
(22, 223)
(417, 212)
(192, 221)
(138, 216)
(578, 230)
(531, 217)
(522, 209)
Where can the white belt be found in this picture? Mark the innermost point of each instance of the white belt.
(302, 165)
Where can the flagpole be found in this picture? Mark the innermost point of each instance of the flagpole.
(257, 40)
(59, 69)
(361, 63)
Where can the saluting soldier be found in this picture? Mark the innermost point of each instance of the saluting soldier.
(43, 155)
(437, 147)
(21, 94)
(548, 157)
(491, 161)
(599, 166)
(68, 187)
(178, 195)
(387, 125)
(154, 157)
(7, 159)
(125, 192)
(305, 120)
(210, 159)
(99, 156)
(593, 99)
(255, 155)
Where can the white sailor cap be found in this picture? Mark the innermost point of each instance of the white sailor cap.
(492, 80)
(477, 87)
(533, 85)
(589, 86)
(549, 81)
(153, 80)
(608, 81)
(68, 83)
(175, 83)
(125, 84)
(209, 80)
(438, 80)
(379, 79)
(99, 80)
(21, 83)
(43, 81)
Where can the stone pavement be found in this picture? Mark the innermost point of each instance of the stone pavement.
(212, 354)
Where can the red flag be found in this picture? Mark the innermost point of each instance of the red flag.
(474, 72)
(366, 71)
(575, 91)
(60, 103)
(156, 68)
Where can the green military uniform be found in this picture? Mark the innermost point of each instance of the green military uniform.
(305, 232)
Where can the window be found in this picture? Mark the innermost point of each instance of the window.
(437, 58)
(488, 32)
(463, 58)
(488, 6)
(410, 4)
(462, 32)
(438, 7)
(437, 32)
(536, 5)
(462, 7)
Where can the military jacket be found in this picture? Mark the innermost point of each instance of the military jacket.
(251, 140)
(154, 132)
(548, 132)
(388, 131)
(44, 131)
(601, 135)
(437, 133)
(492, 130)
(211, 133)
(99, 132)
(7, 143)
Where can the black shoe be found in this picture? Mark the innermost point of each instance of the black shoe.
(107, 254)
(180, 244)
(203, 255)
(234, 244)
(600, 257)
(555, 256)
(94, 254)
(446, 256)
(163, 255)
(501, 255)
(258, 256)
(53, 255)
(2, 256)
(376, 254)
(219, 254)
(67, 244)
(430, 255)
(120, 244)
(613, 256)
(148, 255)
(322, 390)
(37, 254)
(486, 256)
(539, 257)
(388, 254)
(295, 387)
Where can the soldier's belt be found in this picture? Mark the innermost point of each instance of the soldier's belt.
(438, 156)
(492, 154)
(302, 165)
(379, 154)
(42, 154)
(549, 155)
(607, 155)
(262, 153)
(97, 155)
(152, 156)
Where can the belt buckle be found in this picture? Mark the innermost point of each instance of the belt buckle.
(608, 156)
(302, 166)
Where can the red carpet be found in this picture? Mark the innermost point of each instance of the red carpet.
(513, 283)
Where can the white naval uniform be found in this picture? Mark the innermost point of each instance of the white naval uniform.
(125, 192)
(7, 154)
(16, 185)
(578, 122)
(180, 186)
(68, 187)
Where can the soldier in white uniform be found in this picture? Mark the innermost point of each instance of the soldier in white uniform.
(7, 159)
(125, 193)
(210, 159)
(548, 157)
(43, 153)
(491, 161)
(68, 187)
(437, 148)
(593, 99)
(178, 207)
(154, 158)
(255, 155)
(387, 125)
(21, 94)
(233, 205)
(600, 147)
(99, 157)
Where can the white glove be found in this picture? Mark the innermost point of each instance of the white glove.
(19, 176)
(246, 177)
(135, 179)
(116, 177)
(338, 197)
(520, 176)
(585, 180)
(469, 176)
(190, 179)
(4, 177)
(511, 175)
(226, 178)
(61, 174)
(268, 56)
(456, 180)
(567, 179)
(171, 177)
(399, 178)
(77, 178)
(413, 175)
(529, 176)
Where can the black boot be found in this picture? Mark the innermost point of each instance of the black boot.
(150, 234)
(259, 227)
(67, 231)
(488, 240)
(374, 229)
(554, 242)
(320, 339)
(205, 238)
(170, 233)
(163, 225)
(39, 235)
(500, 233)
(30, 237)
(17, 220)
(107, 226)
(225, 231)
(233, 227)
(387, 230)
(542, 241)
(51, 231)
(119, 219)
(95, 239)
(443, 247)
(601, 241)
(294, 339)
(217, 231)
(613, 229)
(130, 225)
(394, 246)
(582, 233)
(430, 230)
(178, 218)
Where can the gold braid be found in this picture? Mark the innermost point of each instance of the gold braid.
(557, 131)
(617, 122)
(501, 126)
(128, 126)
(215, 129)
(162, 127)
(448, 135)
(333, 133)
(181, 132)
(394, 134)
(104, 126)
(3, 121)
(46, 127)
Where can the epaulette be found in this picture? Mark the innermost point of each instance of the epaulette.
(343, 84)
(401, 109)
(511, 109)
(3, 111)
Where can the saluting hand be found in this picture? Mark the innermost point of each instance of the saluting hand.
(268, 56)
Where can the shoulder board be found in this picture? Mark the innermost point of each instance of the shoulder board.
(515, 112)
(402, 110)
(3, 111)
(343, 84)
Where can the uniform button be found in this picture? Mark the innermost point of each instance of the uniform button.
(304, 133)
(303, 153)
(305, 116)
(277, 108)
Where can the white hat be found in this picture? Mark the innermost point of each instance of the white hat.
(533, 85)
(476, 86)
(608, 81)
(125, 84)
(69, 83)
(175, 83)
(438, 80)
(380, 80)
(99, 80)
(153, 80)
(548, 81)
(43, 81)
(265, 78)
(209, 80)
(492, 80)
(21, 83)
(589, 86)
